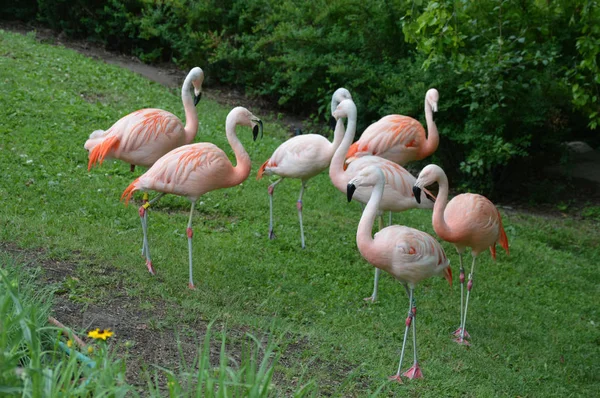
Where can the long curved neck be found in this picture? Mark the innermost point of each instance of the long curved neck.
(191, 117)
(242, 159)
(336, 169)
(439, 222)
(433, 138)
(338, 135)
(364, 234)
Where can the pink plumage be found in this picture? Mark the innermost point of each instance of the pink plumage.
(399, 138)
(408, 254)
(192, 170)
(302, 157)
(143, 136)
(468, 220)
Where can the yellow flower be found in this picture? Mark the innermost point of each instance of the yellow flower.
(69, 343)
(100, 334)
(90, 349)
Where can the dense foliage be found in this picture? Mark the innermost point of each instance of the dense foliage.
(516, 77)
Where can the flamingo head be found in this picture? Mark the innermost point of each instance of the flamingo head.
(367, 177)
(431, 98)
(346, 108)
(197, 77)
(242, 116)
(339, 95)
(428, 176)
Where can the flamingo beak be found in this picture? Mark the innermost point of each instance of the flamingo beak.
(448, 275)
(197, 98)
(350, 191)
(257, 128)
(332, 122)
(434, 107)
(417, 192)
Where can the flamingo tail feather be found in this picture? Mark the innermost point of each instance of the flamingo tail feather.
(100, 151)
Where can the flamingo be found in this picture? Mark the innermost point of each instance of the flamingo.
(408, 254)
(302, 157)
(468, 220)
(144, 136)
(398, 138)
(194, 169)
(397, 196)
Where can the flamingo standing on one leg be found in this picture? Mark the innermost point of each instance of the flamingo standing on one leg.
(408, 254)
(398, 138)
(192, 170)
(144, 136)
(397, 196)
(468, 220)
(302, 157)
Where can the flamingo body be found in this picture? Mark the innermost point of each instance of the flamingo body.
(194, 169)
(303, 157)
(408, 254)
(400, 139)
(144, 136)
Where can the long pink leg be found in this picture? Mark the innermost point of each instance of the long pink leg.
(299, 207)
(463, 332)
(458, 331)
(415, 371)
(190, 234)
(271, 189)
(373, 297)
(408, 322)
(143, 211)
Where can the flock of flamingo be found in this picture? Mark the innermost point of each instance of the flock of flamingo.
(368, 170)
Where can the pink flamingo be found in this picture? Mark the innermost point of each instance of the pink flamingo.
(468, 220)
(302, 157)
(398, 138)
(144, 136)
(397, 196)
(408, 254)
(192, 170)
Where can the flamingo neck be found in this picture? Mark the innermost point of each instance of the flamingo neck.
(242, 159)
(191, 117)
(364, 234)
(338, 136)
(336, 168)
(433, 138)
(439, 222)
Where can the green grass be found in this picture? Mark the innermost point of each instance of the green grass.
(533, 315)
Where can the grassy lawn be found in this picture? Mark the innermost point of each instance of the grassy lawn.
(533, 316)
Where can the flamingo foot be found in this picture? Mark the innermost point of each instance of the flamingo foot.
(191, 286)
(457, 333)
(414, 372)
(370, 299)
(150, 267)
(271, 234)
(460, 341)
(396, 378)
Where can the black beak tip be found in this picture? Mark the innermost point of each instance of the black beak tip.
(332, 122)
(256, 129)
(197, 99)
(350, 191)
(417, 192)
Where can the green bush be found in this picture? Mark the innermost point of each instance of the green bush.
(515, 78)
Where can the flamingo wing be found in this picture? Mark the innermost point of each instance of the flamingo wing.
(393, 137)
(146, 125)
(300, 157)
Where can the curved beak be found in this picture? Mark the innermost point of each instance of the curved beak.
(350, 191)
(332, 122)
(417, 192)
(197, 98)
(448, 275)
(258, 127)
(434, 106)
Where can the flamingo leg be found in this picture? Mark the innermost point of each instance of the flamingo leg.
(458, 331)
(415, 371)
(408, 322)
(373, 297)
(463, 332)
(271, 189)
(190, 234)
(143, 211)
(299, 206)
